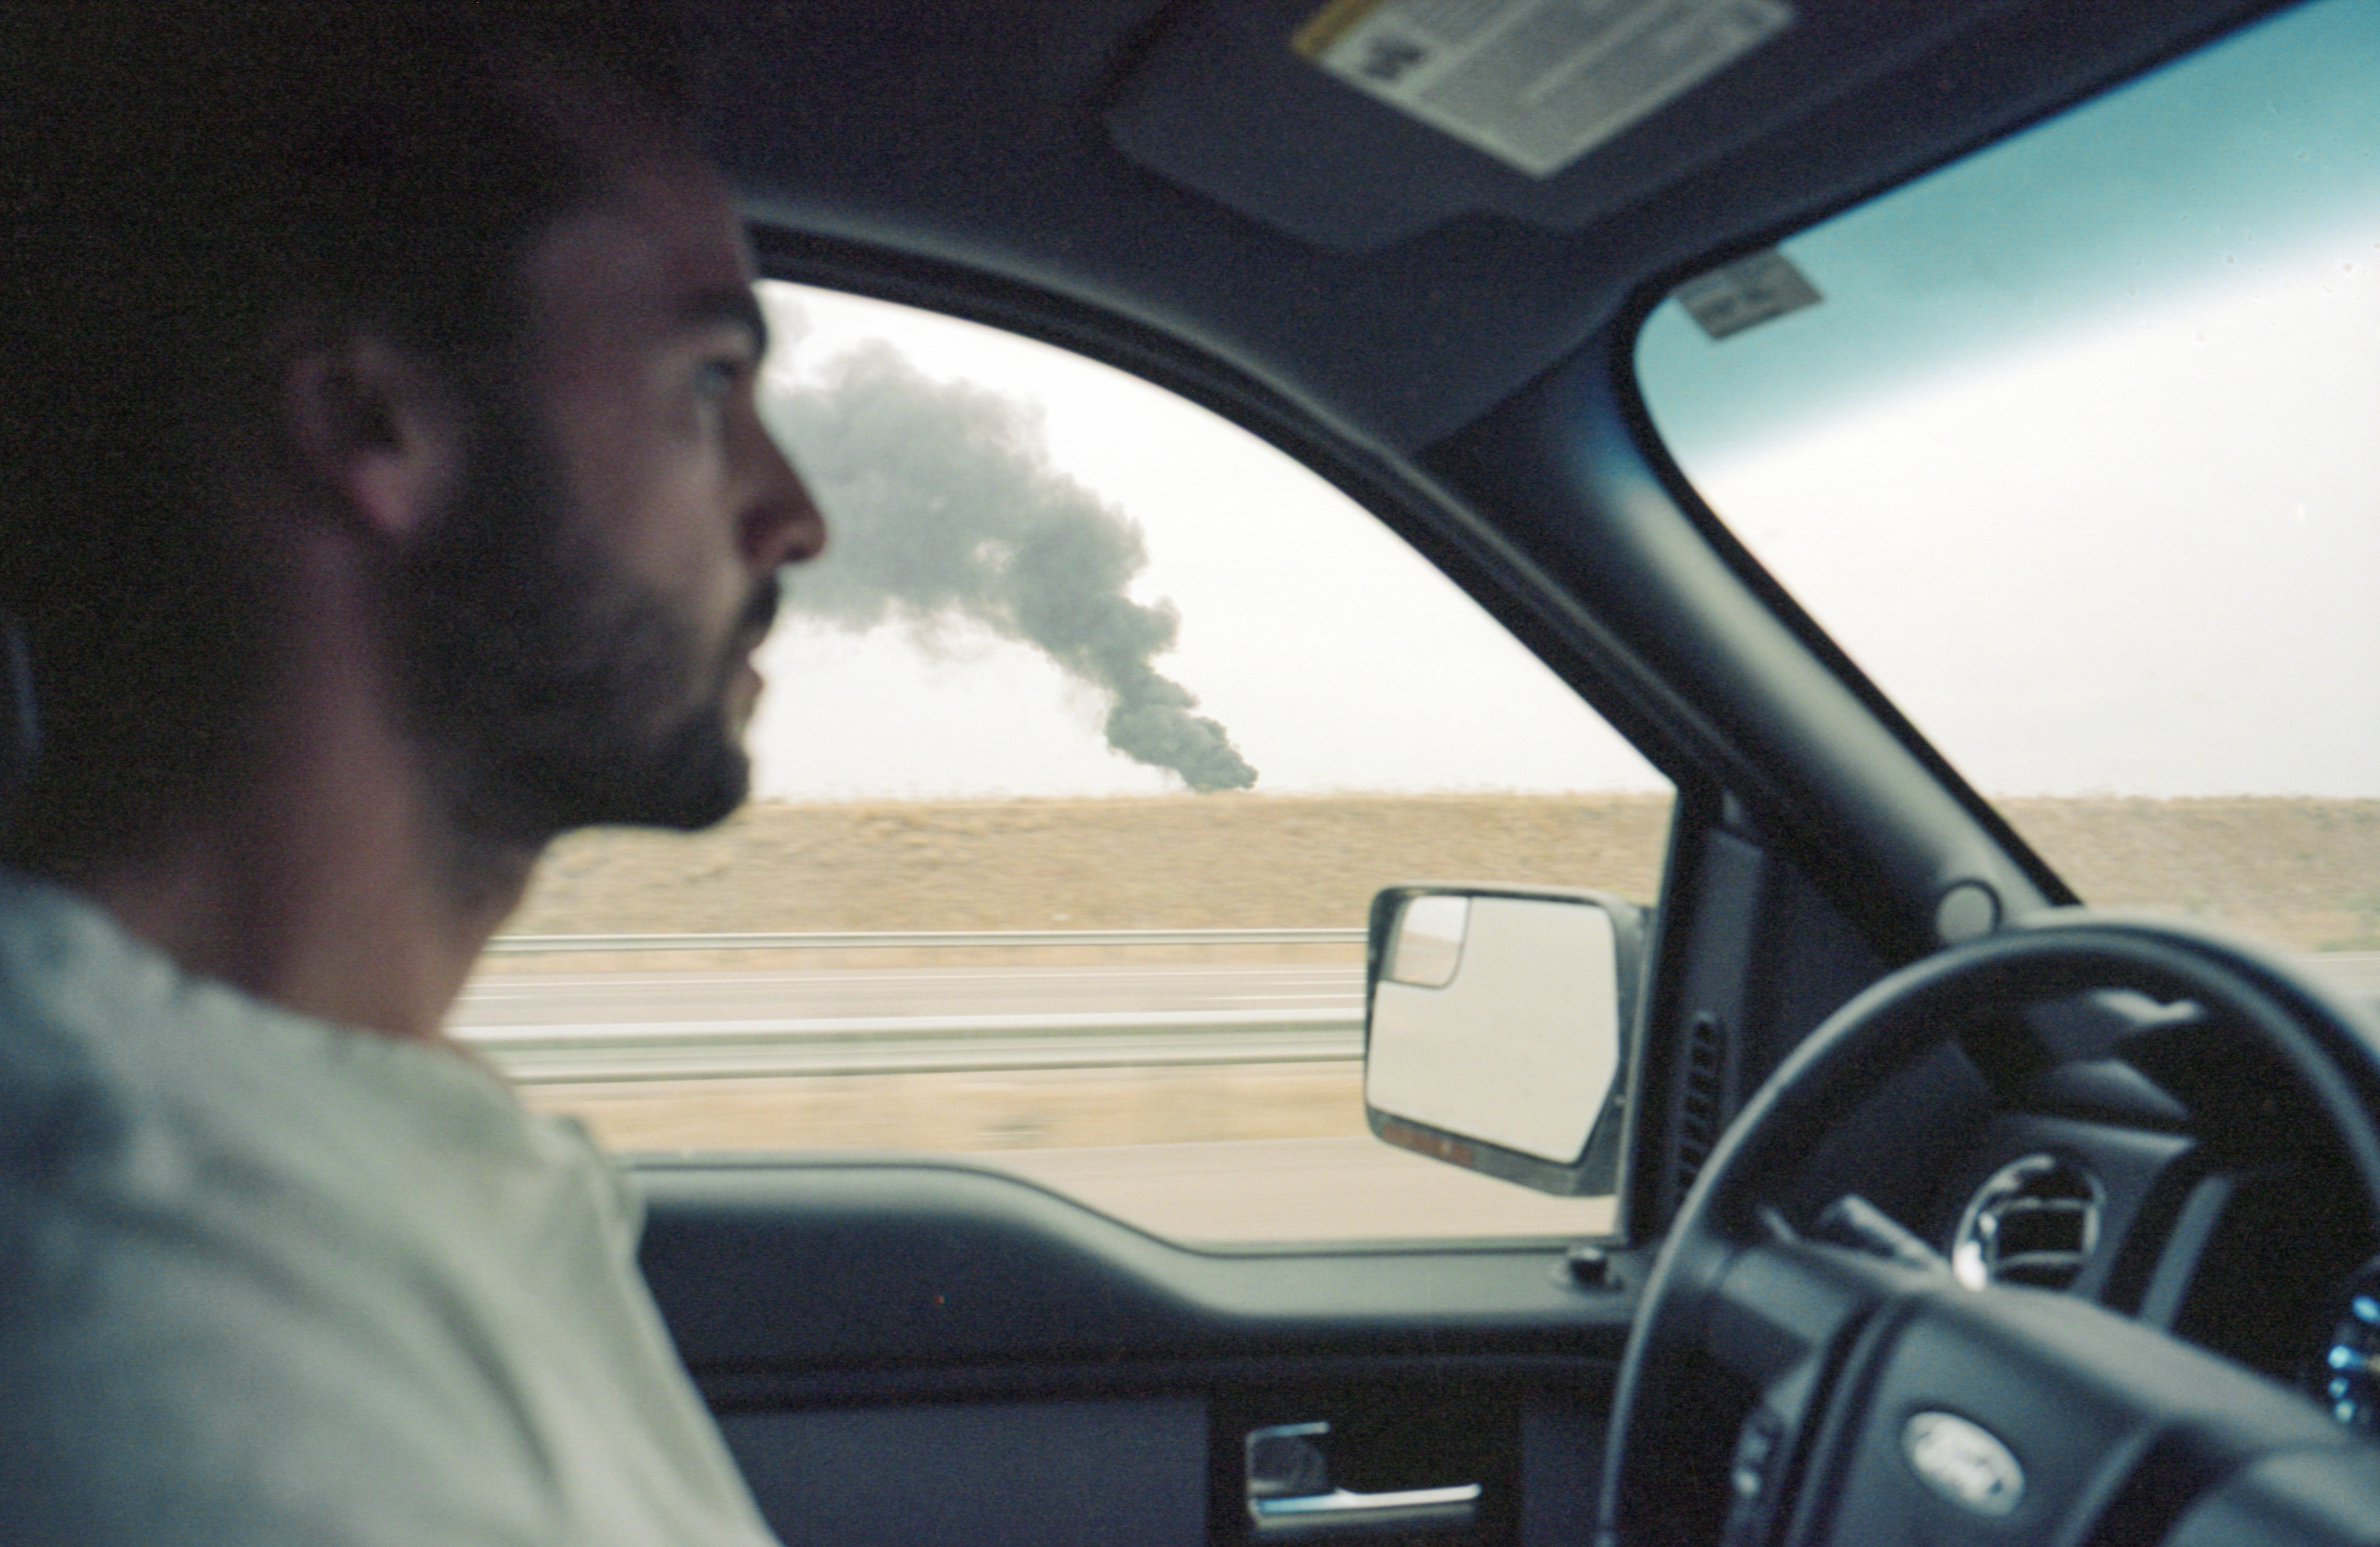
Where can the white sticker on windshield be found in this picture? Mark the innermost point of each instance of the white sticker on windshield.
(1535, 83)
(1746, 293)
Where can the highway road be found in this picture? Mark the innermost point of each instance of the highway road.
(1224, 1025)
(546, 1027)
(902, 993)
(2355, 973)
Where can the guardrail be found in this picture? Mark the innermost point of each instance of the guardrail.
(937, 1044)
(533, 945)
(738, 1049)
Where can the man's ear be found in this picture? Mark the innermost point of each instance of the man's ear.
(378, 429)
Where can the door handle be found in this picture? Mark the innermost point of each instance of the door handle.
(1340, 1510)
(1290, 1492)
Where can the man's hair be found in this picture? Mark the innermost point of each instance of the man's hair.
(181, 181)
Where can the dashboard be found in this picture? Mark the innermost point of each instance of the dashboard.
(2170, 1174)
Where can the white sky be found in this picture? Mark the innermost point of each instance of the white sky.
(1335, 657)
(2144, 559)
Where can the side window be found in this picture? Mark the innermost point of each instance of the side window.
(1085, 749)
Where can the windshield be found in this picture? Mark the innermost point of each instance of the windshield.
(2075, 447)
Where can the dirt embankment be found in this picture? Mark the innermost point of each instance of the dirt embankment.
(2306, 873)
(1189, 862)
(2303, 874)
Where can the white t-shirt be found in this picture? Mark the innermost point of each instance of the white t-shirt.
(264, 1280)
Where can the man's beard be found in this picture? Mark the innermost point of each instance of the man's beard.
(548, 689)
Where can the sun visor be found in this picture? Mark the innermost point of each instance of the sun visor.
(1357, 123)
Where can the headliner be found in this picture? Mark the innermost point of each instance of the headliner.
(1177, 166)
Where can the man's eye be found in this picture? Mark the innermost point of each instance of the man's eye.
(717, 379)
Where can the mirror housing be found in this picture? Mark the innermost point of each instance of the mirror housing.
(1498, 1027)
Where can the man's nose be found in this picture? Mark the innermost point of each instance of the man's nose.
(781, 524)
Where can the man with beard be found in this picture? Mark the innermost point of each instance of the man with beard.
(381, 493)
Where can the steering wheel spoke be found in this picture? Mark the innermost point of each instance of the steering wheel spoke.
(2013, 1414)
(1780, 1390)
(1780, 1319)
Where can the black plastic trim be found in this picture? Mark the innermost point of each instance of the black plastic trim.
(1862, 813)
(885, 1263)
(1589, 1377)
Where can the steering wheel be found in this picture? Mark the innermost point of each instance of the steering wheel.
(1780, 1390)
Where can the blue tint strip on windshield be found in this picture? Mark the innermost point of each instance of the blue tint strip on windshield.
(2271, 127)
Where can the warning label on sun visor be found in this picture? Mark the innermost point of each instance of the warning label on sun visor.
(1535, 83)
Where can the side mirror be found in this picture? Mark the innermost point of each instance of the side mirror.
(1497, 1026)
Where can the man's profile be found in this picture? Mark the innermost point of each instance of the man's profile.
(381, 495)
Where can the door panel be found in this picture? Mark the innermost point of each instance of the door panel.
(923, 1352)
(1048, 1474)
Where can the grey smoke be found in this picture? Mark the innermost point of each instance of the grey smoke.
(941, 506)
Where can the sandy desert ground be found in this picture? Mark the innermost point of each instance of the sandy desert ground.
(2303, 874)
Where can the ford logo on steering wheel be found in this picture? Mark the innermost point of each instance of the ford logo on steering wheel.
(1963, 1462)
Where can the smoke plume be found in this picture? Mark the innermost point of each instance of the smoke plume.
(941, 506)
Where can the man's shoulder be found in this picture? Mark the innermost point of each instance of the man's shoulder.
(85, 1005)
(267, 1275)
(65, 970)
(130, 1090)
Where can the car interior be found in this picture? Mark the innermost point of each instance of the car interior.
(1945, 1211)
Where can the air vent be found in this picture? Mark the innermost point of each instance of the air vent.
(1702, 1098)
(2035, 1222)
